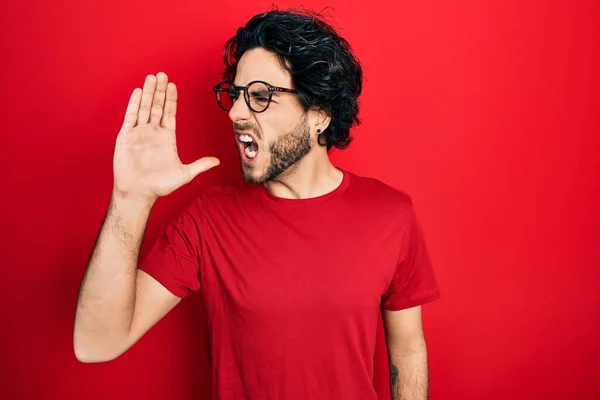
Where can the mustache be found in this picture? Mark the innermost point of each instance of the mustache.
(247, 127)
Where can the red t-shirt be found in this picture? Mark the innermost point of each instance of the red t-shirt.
(293, 288)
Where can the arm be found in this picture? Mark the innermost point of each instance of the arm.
(407, 353)
(118, 303)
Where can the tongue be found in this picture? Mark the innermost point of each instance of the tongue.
(253, 146)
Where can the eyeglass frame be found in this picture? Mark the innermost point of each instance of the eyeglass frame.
(272, 89)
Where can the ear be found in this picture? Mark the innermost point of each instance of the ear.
(319, 120)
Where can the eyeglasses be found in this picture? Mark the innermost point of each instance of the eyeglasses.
(257, 94)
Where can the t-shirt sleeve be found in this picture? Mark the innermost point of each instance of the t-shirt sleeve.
(414, 282)
(174, 259)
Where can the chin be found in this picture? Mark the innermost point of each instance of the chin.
(251, 176)
(254, 180)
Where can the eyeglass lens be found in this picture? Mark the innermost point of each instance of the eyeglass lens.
(257, 95)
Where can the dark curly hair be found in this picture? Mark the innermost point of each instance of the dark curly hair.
(321, 64)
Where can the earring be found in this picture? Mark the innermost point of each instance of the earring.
(318, 131)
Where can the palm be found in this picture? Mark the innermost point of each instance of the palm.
(145, 161)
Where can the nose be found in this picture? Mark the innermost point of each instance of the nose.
(239, 110)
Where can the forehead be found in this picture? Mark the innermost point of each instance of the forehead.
(261, 65)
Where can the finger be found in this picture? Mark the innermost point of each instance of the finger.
(133, 106)
(199, 166)
(170, 112)
(147, 95)
(158, 102)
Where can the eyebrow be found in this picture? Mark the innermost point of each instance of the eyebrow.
(259, 92)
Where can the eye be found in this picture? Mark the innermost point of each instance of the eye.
(261, 96)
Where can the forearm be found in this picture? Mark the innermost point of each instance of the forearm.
(107, 297)
(409, 371)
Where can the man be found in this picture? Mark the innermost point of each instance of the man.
(296, 262)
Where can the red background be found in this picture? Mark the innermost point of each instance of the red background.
(486, 112)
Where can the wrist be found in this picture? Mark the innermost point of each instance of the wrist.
(131, 209)
(128, 215)
(132, 200)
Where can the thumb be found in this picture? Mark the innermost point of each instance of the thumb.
(197, 167)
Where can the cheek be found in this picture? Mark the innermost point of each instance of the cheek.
(277, 121)
(270, 127)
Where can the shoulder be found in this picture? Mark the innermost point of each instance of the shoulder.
(213, 200)
(379, 193)
(227, 190)
(222, 194)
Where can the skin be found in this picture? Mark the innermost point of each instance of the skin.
(407, 353)
(284, 129)
(118, 303)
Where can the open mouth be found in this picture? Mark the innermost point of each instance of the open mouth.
(250, 148)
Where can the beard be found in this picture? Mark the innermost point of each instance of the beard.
(285, 151)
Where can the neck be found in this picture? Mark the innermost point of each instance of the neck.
(312, 176)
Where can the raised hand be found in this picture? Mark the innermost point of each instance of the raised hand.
(145, 162)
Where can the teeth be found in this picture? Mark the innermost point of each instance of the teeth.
(246, 139)
(249, 153)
